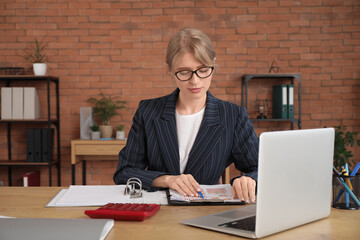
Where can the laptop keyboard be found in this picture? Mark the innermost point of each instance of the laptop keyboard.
(247, 224)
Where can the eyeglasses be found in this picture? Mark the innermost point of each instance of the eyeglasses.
(186, 75)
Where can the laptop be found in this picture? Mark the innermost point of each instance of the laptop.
(293, 188)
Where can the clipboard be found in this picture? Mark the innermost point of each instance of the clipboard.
(219, 194)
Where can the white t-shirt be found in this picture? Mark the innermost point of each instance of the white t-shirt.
(187, 127)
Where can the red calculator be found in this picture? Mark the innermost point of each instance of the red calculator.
(124, 211)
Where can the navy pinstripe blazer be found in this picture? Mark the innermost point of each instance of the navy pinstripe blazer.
(225, 136)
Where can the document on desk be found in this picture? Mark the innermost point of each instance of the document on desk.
(55, 229)
(213, 194)
(100, 195)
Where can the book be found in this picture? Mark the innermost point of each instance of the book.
(31, 103)
(17, 103)
(6, 103)
(31, 179)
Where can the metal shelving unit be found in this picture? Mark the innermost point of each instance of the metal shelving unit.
(55, 121)
(291, 76)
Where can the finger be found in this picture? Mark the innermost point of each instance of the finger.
(233, 192)
(191, 185)
(238, 189)
(252, 186)
(195, 186)
(244, 189)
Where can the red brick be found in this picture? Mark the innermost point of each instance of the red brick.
(119, 48)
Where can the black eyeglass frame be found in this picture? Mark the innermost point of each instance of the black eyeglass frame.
(192, 73)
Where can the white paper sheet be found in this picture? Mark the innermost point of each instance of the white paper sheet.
(219, 192)
(100, 195)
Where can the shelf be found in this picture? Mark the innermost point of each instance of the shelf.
(23, 163)
(290, 76)
(40, 120)
(273, 120)
(52, 118)
(28, 78)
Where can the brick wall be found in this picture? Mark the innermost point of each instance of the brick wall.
(118, 48)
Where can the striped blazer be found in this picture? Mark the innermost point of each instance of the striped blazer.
(225, 136)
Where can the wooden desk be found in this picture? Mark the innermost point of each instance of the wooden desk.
(29, 202)
(83, 150)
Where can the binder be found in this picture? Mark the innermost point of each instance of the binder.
(17, 103)
(6, 103)
(31, 179)
(290, 94)
(31, 103)
(37, 144)
(46, 144)
(280, 102)
(30, 145)
(219, 194)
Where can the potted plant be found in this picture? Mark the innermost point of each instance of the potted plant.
(343, 140)
(95, 133)
(38, 58)
(342, 157)
(120, 134)
(105, 108)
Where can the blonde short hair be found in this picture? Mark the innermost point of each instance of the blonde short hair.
(190, 40)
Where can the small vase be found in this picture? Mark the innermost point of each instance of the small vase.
(39, 69)
(95, 135)
(106, 131)
(120, 135)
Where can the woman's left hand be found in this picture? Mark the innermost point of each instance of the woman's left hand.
(243, 188)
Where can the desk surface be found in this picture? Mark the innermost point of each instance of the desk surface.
(30, 202)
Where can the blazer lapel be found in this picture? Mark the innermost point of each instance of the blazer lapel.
(207, 137)
(166, 132)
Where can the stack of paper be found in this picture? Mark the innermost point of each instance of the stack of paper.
(100, 195)
(211, 193)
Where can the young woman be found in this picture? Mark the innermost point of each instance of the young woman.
(189, 137)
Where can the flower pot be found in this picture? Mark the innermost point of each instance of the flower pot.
(95, 135)
(120, 135)
(106, 131)
(39, 69)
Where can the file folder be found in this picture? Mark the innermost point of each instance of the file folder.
(30, 145)
(290, 94)
(31, 103)
(17, 103)
(6, 103)
(280, 102)
(37, 145)
(46, 144)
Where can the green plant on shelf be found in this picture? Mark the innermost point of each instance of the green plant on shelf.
(343, 140)
(94, 128)
(36, 54)
(106, 107)
(120, 127)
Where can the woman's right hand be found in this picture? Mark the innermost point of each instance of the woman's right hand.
(185, 184)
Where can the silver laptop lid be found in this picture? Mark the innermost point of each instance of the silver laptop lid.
(294, 178)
